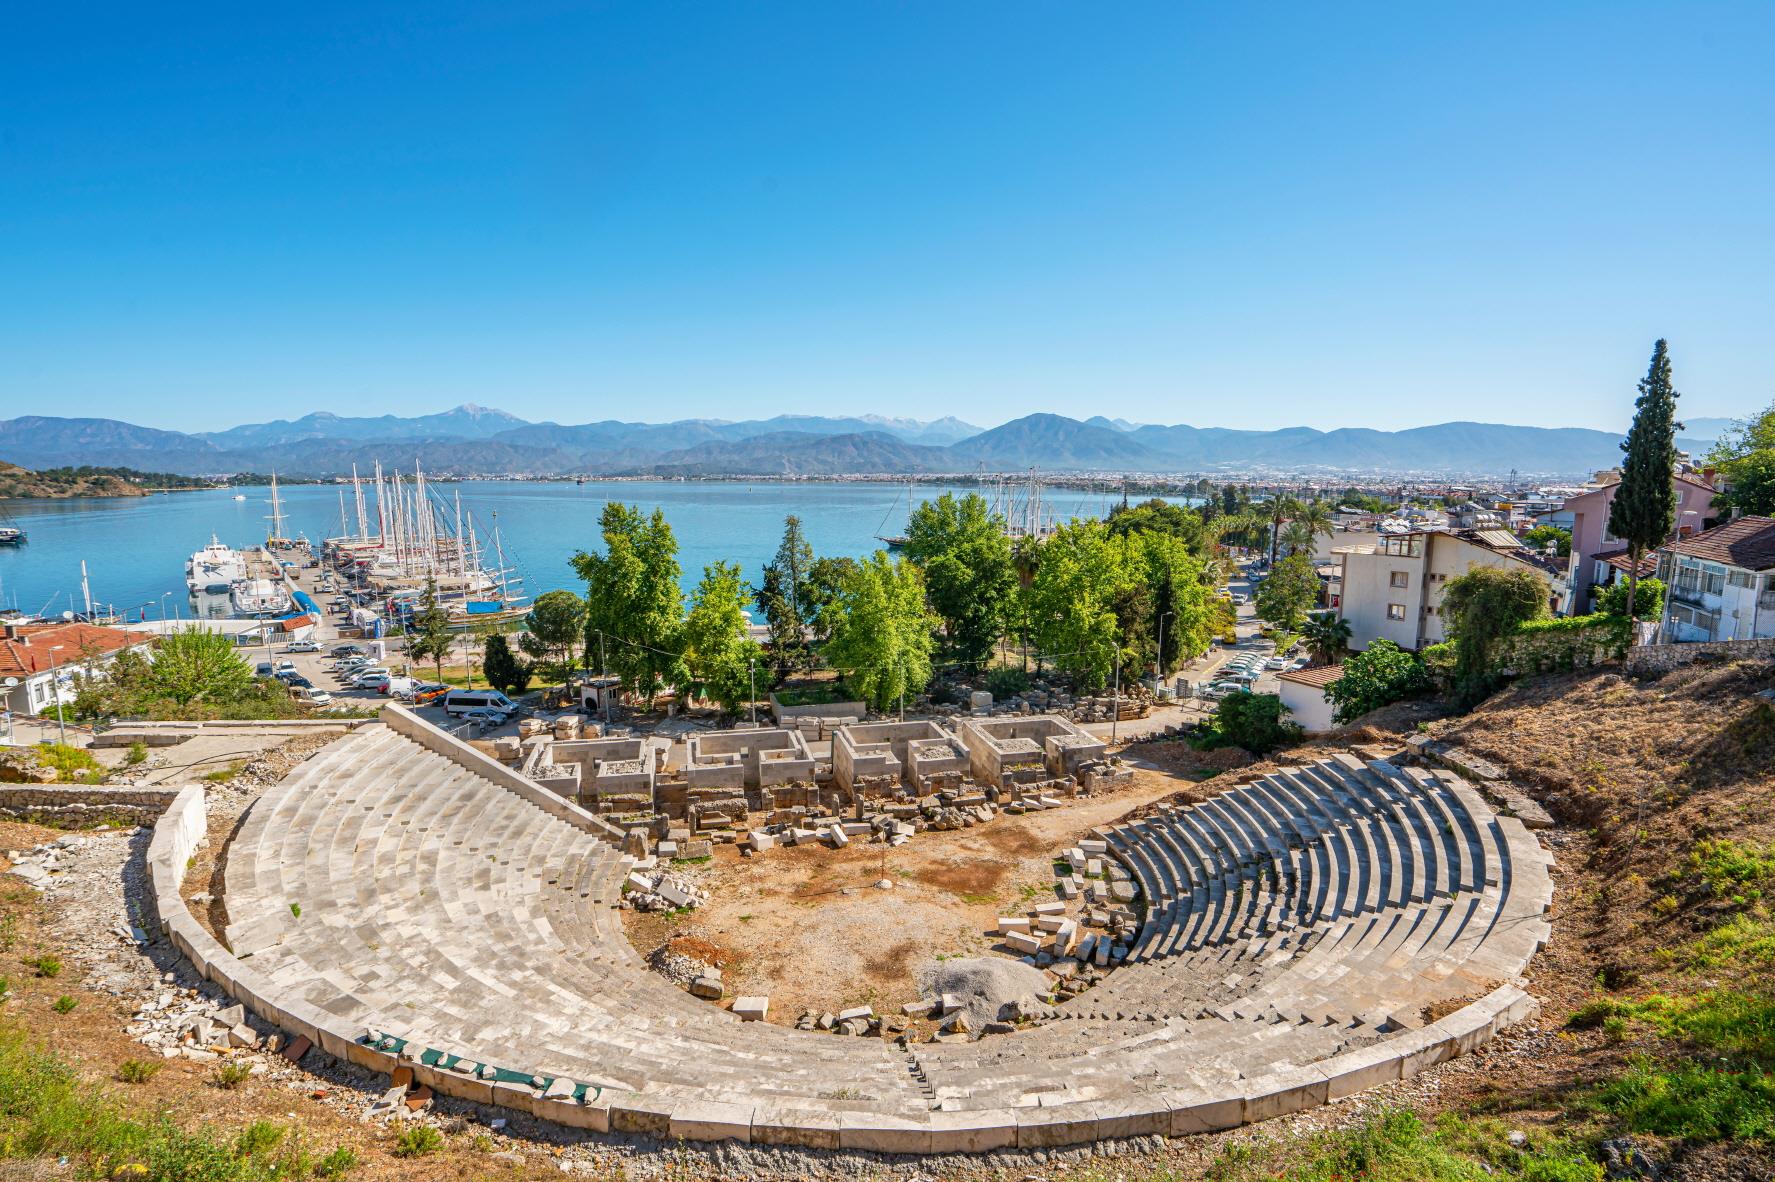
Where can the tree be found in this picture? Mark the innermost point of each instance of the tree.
(1751, 480)
(825, 579)
(968, 572)
(634, 607)
(1539, 536)
(1157, 516)
(1280, 509)
(554, 627)
(428, 630)
(1744, 438)
(1380, 675)
(1298, 537)
(1184, 611)
(785, 594)
(1483, 608)
(1071, 602)
(1316, 516)
(881, 631)
(1327, 635)
(1290, 591)
(1648, 600)
(194, 665)
(503, 670)
(1644, 509)
(717, 650)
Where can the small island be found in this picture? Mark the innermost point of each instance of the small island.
(17, 483)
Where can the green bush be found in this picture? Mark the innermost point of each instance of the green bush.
(1251, 721)
(230, 1075)
(64, 1004)
(138, 753)
(1380, 675)
(258, 1138)
(1007, 681)
(336, 1164)
(137, 1071)
(46, 966)
(418, 1141)
(1648, 600)
(70, 763)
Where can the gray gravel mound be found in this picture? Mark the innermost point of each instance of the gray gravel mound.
(985, 984)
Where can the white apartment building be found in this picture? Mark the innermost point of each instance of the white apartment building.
(1720, 583)
(1392, 590)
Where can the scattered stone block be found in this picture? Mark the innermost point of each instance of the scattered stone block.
(709, 988)
(751, 1009)
(1012, 923)
(1023, 942)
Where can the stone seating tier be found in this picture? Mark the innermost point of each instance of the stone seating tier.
(1296, 928)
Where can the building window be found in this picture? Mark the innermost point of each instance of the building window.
(1741, 578)
(1395, 611)
(1399, 578)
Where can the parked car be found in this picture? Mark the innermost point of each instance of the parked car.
(264, 669)
(311, 695)
(376, 679)
(344, 650)
(1276, 663)
(298, 681)
(301, 646)
(284, 667)
(485, 717)
(284, 675)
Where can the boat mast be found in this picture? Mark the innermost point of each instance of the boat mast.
(357, 495)
(277, 514)
(85, 589)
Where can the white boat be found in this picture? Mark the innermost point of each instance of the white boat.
(214, 568)
(240, 496)
(259, 597)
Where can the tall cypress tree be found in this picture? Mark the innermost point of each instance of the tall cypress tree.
(1644, 509)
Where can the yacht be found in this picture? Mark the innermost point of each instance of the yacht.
(11, 535)
(259, 597)
(214, 568)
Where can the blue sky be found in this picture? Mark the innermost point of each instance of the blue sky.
(1238, 215)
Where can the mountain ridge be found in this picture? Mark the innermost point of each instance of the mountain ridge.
(469, 440)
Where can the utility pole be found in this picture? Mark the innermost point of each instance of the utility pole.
(1160, 680)
(752, 689)
(55, 687)
(604, 676)
(1116, 714)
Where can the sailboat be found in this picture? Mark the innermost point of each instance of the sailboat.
(10, 533)
(895, 541)
(275, 540)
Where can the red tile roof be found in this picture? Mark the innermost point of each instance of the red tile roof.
(1318, 678)
(1648, 562)
(1748, 542)
(27, 649)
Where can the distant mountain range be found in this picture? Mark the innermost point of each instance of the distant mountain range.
(473, 440)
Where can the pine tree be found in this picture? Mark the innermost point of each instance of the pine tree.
(428, 634)
(503, 670)
(1644, 509)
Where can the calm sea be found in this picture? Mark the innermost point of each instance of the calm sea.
(135, 547)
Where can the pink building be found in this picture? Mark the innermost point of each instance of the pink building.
(1599, 557)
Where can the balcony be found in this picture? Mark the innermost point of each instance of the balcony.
(1690, 593)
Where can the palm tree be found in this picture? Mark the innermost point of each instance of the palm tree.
(1327, 637)
(1317, 517)
(1297, 537)
(1281, 508)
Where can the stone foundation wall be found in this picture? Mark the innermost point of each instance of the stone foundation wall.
(1662, 658)
(78, 806)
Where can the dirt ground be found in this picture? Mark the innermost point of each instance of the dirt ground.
(807, 927)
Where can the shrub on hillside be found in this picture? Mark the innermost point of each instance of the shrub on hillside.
(1380, 675)
(1254, 722)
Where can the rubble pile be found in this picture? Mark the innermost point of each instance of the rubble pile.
(655, 889)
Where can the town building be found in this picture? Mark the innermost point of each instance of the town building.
(40, 661)
(1392, 590)
(1303, 692)
(1720, 583)
(1598, 557)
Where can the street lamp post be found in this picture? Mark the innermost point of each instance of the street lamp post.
(752, 689)
(163, 596)
(10, 684)
(1116, 711)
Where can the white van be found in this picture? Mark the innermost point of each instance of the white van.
(463, 700)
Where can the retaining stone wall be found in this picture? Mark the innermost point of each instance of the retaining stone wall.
(80, 805)
(1662, 658)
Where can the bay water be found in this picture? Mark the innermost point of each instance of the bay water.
(135, 547)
